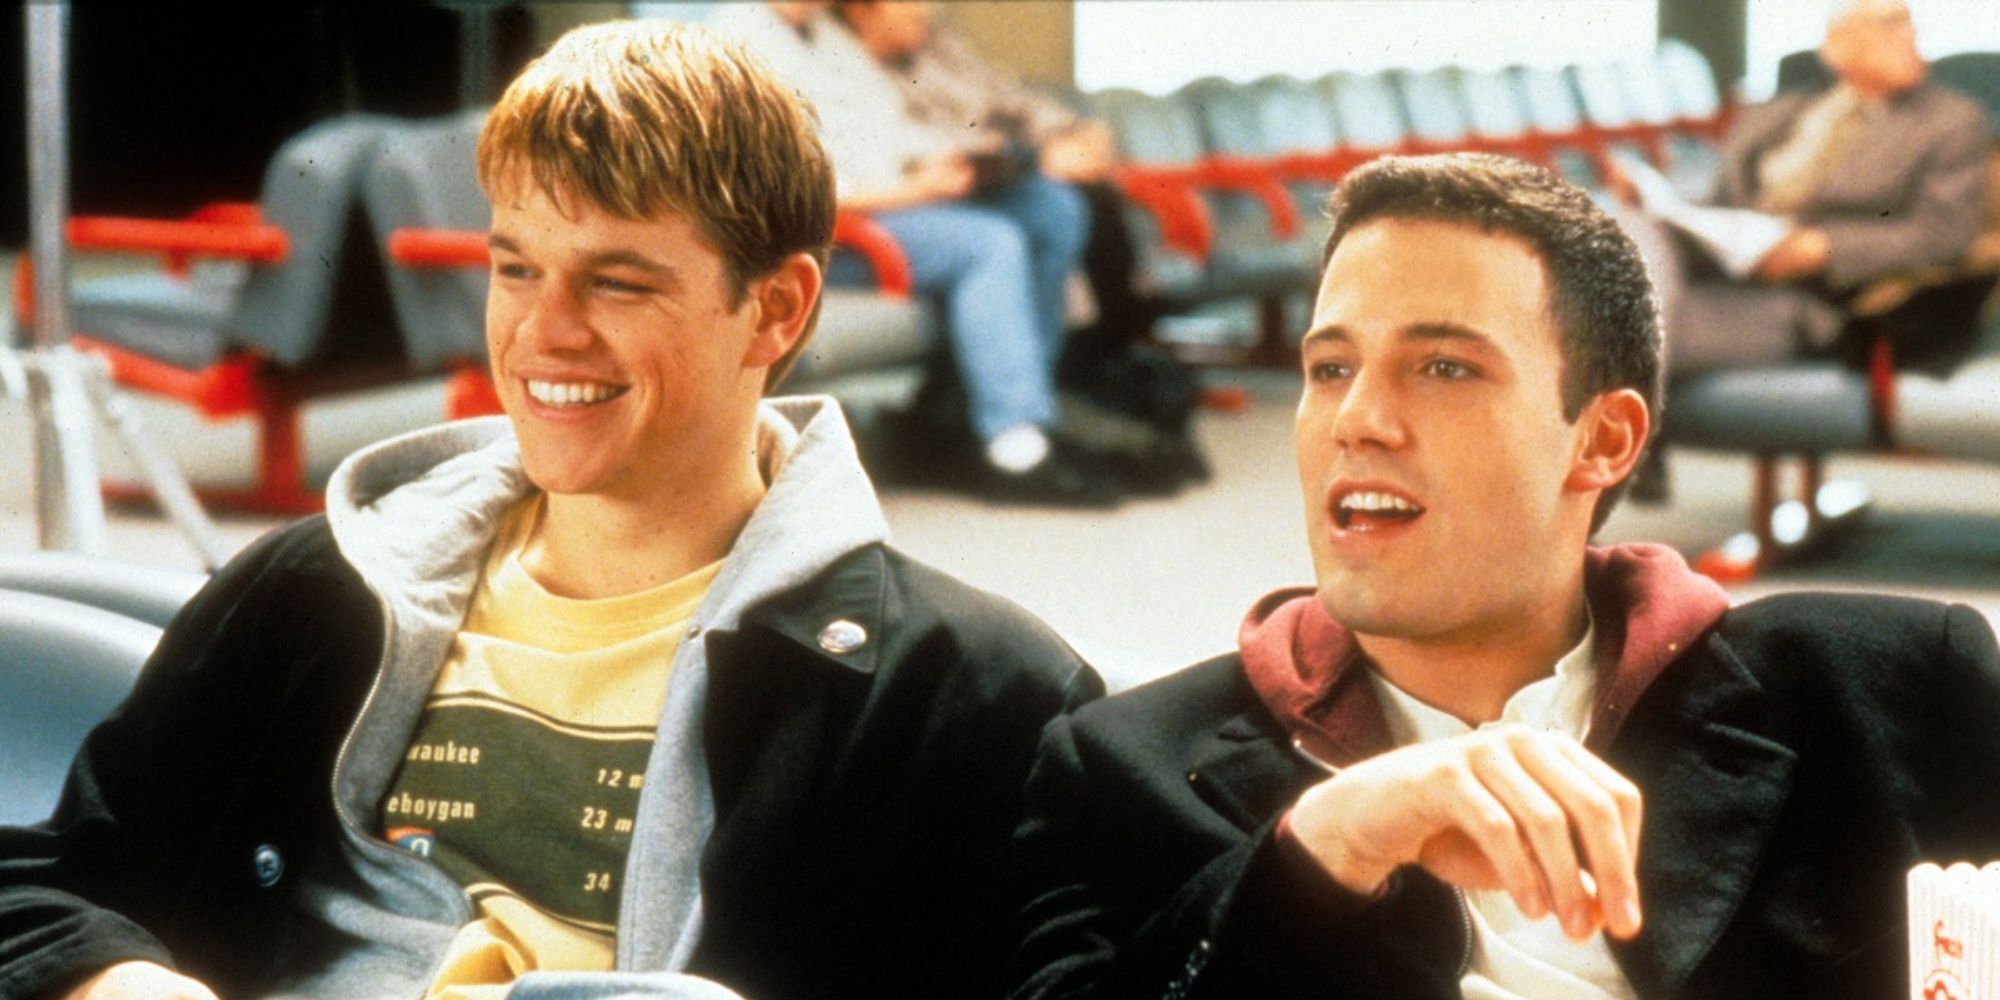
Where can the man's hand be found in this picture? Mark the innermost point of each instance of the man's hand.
(1082, 154)
(939, 178)
(1801, 254)
(1505, 808)
(140, 981)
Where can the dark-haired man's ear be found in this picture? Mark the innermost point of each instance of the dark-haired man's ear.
(1612, 434)
(783, 301)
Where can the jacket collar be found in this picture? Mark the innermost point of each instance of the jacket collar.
(839, 617)
(1307, 668)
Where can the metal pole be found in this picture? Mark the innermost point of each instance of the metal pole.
(69, 508)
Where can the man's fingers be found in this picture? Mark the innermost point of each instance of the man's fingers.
(1631, 805)
(1486, 821)
(1597, 811)
(1545, 826)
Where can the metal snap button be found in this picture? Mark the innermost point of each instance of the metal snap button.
(841, 637)
(268, 864)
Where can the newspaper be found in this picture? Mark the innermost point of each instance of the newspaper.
(1737, 238)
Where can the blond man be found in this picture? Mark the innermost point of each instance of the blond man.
(625, 694)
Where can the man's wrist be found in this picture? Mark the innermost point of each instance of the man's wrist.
(1305, 826)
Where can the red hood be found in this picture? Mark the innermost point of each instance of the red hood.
(1647, 606)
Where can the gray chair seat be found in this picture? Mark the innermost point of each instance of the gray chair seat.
(424, 175)
(1816, 407)
(283, 309)
(1957, 416)
(863, 331)
(63, 667)
(151, 594)
(164, 318)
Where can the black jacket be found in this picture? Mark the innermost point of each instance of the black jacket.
(1795, 762)
(862, 817)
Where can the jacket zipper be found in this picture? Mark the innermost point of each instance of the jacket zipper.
(370, 842)
(1464, 907)
(374, 688)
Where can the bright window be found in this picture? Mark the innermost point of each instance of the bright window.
(1157, 45)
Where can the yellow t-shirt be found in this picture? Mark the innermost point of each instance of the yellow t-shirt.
(523, 779)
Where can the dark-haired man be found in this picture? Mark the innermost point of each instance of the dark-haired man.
(1480, 758)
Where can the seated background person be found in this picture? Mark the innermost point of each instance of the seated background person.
(946, 85)
(622, 695)
(1480, 758)
(996, 256)
(1884, 172)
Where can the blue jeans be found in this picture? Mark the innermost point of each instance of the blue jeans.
(997, 264)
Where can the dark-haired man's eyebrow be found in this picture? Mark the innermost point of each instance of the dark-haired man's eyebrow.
(1416, 331)
(1330, 332)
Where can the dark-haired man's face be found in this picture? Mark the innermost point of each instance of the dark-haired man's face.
(1433, 453)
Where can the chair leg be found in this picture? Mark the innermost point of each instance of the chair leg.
(1739, 559)
(281, 465)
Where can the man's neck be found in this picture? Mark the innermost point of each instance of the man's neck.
(605, 545)
(1471, 674)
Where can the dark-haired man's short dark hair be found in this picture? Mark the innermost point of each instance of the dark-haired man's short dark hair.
(1599, 292)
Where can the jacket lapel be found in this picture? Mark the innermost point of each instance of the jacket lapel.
(1247, 772)
(1714, 791)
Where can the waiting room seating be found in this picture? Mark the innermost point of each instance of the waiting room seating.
(63, 666)
(257, 307)
(150, 594)
(1811, 409)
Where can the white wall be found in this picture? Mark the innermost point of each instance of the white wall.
(1157, 45)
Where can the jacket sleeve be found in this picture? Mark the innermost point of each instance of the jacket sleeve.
(1945, 210)
(1256, 920)
(76, 889)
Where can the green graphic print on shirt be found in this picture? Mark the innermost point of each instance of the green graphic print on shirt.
(509, 801)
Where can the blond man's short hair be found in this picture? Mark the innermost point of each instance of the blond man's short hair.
(642, 118)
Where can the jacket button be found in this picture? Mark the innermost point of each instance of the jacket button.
(841, 637)
(268, 864)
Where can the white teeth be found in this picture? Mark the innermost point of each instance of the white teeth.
(571, 393)
(1373, 500)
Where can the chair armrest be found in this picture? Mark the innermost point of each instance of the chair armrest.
(879, 248)
(470, 393)
(1171, 199)
(1325, 167)
(1258, 178)
(239, 241)
(413, 247)
(224, 389)
(240, 213)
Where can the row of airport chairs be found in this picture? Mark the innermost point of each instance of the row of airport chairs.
(359, 266)
(1227, 179)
